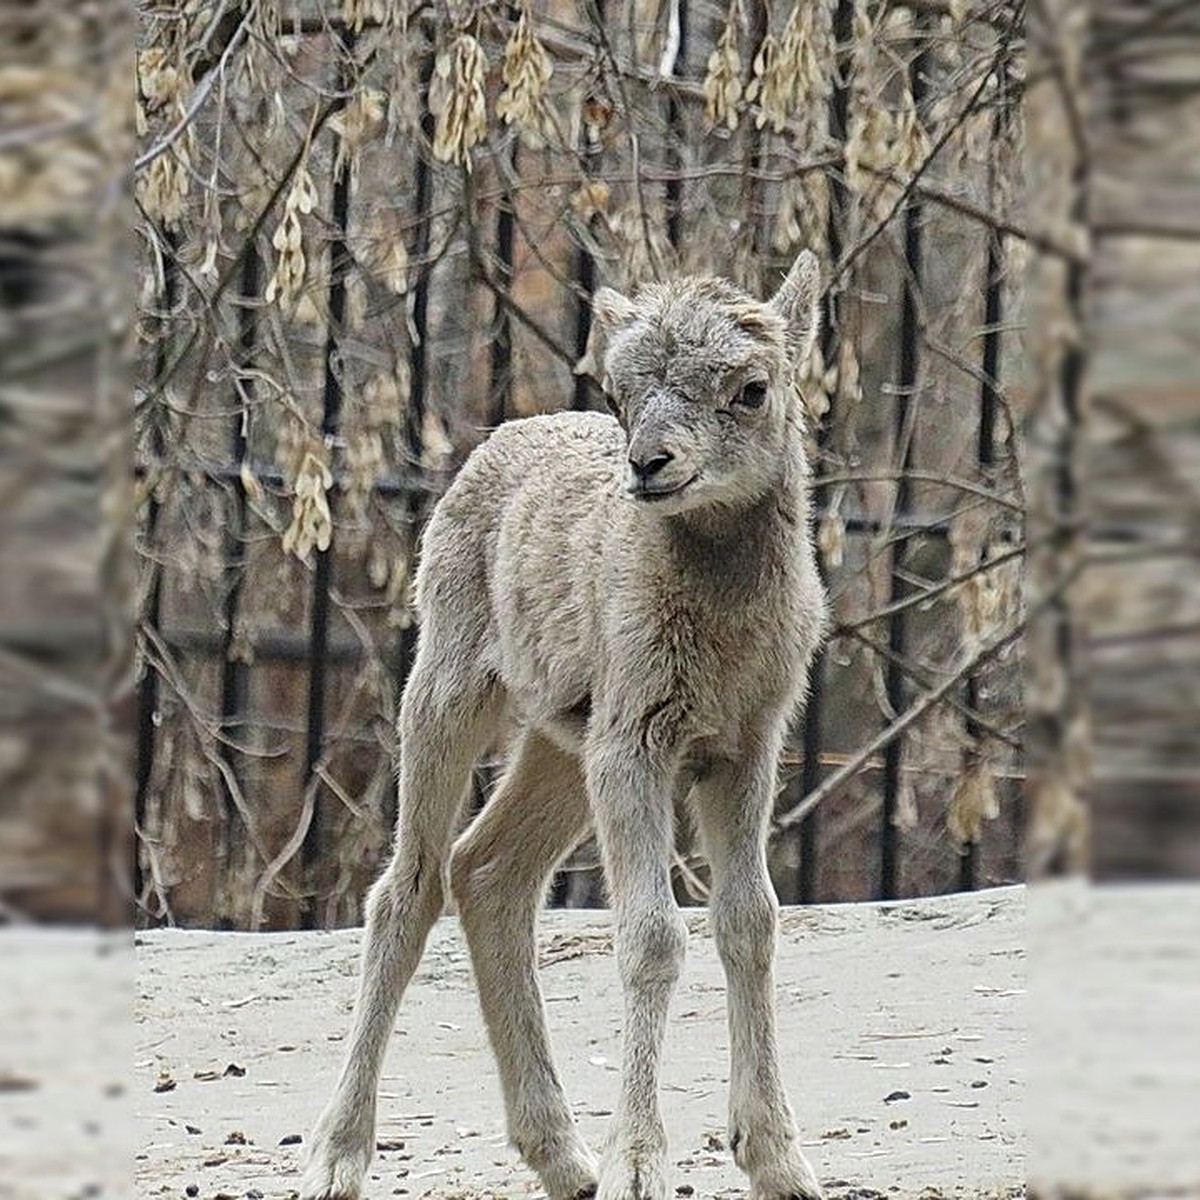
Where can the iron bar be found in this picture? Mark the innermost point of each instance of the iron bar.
(907, 523)
(989, 400)
(831, 331)
(500, 351)
(673, 192)
(895, 682)
(387, 487)
(233, 674)
(147, 687)
(418, 374)
(339, 259)
(590, 150)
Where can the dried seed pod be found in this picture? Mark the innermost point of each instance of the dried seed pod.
(723, 83)
(357, 13)
(163, 189)
(312, 520)
(526, 72)
(288, 277)
(831, 539)
(359, 122)
(456, 100)
(973, 801)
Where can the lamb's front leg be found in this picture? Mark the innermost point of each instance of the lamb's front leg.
(734, 804)
(634, 815)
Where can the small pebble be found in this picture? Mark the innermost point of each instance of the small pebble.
(192, 1190)
(684, 1189)
(290, 1139)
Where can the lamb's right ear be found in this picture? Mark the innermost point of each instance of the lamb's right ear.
(611, 310)
(798, 302)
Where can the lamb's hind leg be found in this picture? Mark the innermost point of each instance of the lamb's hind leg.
(734, 803)
(447, 716)
(498, 872)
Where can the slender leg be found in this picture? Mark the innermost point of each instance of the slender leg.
(498, 872)
(632, 805)
(444, 724)
(734, 804)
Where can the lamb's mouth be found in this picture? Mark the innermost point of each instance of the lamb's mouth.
(650, 494)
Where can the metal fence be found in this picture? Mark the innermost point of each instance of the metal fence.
(368, 235)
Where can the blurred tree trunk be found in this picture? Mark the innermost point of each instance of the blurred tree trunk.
(1144, 446)
(1058, 183)
(65, 834)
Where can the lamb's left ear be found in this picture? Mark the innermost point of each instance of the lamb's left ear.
(798, 301)
(611, 310)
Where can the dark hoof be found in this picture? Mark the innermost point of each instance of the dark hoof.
(585, 1193)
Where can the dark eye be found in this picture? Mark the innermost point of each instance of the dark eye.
(753, 395)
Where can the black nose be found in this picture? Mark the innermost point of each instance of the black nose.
(648, 468)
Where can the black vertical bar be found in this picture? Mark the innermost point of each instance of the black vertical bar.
(147, 689)
(675, 135)
(418, 355)
(810, 827)
(968, 867)
(810, 777)
(750, 203)
(590, 150)
(233, 673)
(585, 277)
(418, 358)
(500, 356)
(895, 683)
(989, 402)
(331, 416)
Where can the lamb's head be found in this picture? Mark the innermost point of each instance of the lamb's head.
(699, 375)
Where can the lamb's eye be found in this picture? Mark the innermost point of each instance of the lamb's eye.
(753, 395)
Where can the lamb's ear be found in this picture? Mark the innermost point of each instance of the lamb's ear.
(611, 310)
(798, 301)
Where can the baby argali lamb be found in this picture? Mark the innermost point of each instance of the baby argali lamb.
(638, 597)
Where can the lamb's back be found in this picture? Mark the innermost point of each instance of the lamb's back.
(512, 550)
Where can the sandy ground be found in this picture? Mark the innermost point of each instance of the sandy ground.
(902, 1027)
(906, 1028)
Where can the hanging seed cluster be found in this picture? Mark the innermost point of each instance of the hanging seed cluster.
(723, 81)
(790, 75)
(526, 72)
(312, 520)
(288, 239)
(457, 101)
(163, 188)
(887, 140)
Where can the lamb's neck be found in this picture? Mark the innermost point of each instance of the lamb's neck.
(749, 535)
